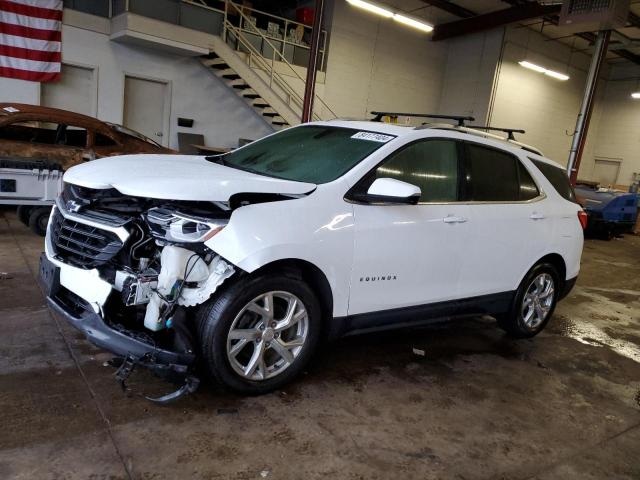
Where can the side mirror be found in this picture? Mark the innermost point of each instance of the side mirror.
(390, 190)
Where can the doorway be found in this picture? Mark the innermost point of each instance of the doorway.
(605, 172)
(76, 91)
(146, 107)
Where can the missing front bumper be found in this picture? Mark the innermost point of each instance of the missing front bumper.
(133, 348)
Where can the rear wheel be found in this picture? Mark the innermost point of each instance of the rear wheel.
(23, 213)
(260, 333)
(38, 220)
(534, 302)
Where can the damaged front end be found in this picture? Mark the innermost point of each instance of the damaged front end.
(128, 272)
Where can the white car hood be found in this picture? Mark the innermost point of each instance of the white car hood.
(176, 177)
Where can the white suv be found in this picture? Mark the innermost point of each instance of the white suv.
(245, 260)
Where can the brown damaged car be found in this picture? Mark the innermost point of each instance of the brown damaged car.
(65, 138)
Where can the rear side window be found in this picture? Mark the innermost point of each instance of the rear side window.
(491, 175)
(103, 141)
(558, 178)
(528, 188)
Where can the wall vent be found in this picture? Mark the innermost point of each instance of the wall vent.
(593, 15)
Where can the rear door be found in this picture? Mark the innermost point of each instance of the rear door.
(509, 221)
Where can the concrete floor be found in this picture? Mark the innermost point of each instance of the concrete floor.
(478, 405)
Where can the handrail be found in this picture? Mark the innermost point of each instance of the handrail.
(201, 4)
(275, 51)
(264, 64)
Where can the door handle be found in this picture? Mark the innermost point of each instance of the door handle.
(536, 216)
(453, 219)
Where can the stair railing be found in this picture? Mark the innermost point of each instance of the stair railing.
(268, 66)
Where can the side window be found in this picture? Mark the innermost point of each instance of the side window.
(528, 188)
(432, 165)
(491, 175)
(74, 137)
(103, 141)
(45, 132)
(558, 178)
(30, 131)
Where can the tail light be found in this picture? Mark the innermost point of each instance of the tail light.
(583, 218)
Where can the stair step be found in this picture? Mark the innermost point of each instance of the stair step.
(260, 105)
(210, 55)
(281, 123)
(209, 62)
(252, 96)
(270, 114)
(231, 76)
(241, 86)
(221, 65)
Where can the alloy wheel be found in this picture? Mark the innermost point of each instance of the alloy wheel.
(538, 300)
(267, 335)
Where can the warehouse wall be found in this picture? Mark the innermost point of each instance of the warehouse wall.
(543, 106)
(196, 93)
(470, 74)
(376, 64)
(618, 132)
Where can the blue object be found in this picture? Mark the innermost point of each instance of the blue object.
(609, 211)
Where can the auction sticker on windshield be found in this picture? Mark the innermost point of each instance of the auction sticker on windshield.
(372, 137)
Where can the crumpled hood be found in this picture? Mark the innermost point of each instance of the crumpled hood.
(176, 177)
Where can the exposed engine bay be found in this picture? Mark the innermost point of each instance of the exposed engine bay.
(152, 254)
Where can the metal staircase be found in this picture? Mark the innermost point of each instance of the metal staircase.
(254, 78)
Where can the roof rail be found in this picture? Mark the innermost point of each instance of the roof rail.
(480, 133)
(458, 118)
(508, 131)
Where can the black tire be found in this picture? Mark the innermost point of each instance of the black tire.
(23, 213)
(217, 316)
(38, 219)
(513, 322)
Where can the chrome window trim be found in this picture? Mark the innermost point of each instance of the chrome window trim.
(542, 194)
(539, 198)
(120, 231)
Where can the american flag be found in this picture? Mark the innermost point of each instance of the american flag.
(30, 39)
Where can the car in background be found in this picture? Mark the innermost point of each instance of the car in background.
(611, 213)
(36, 142)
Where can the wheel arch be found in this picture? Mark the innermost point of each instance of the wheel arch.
(309, 273)
(557, 261)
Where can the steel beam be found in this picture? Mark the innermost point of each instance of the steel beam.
(492, 20)
(451, 8)
(586, 108)
(312, 67)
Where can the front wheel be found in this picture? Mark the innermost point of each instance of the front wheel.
(260, 333)
(534, 302)
(38, 220)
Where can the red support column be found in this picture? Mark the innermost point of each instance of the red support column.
(312, 68)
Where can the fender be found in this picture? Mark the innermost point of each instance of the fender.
(317, 228)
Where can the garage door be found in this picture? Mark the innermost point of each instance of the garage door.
(76, 91)
(145, 108)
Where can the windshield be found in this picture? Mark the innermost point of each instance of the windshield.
(313, 153)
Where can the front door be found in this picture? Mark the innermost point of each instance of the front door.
(409, 255)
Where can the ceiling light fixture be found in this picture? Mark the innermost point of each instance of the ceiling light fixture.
(546, 71)
(412, 22)
(398, 17)
(636, 95)
(370, 7)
